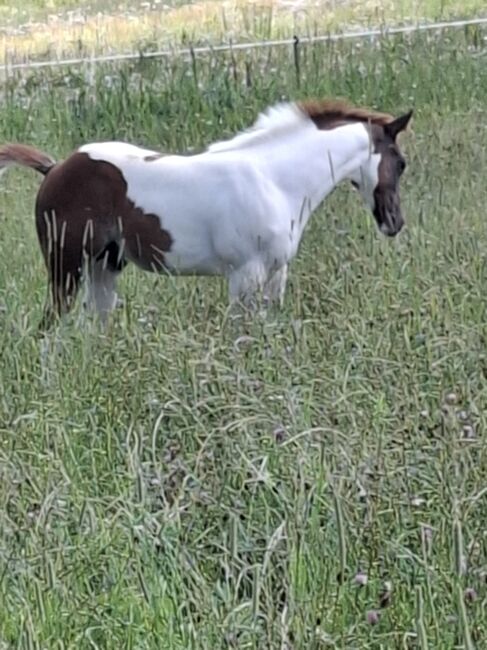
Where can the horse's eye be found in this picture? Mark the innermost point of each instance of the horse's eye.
(355, 185)
(401, 165)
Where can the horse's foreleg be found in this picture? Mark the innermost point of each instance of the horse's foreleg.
(245, 283)
(275, 287)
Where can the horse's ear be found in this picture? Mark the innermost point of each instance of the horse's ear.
(399, 124)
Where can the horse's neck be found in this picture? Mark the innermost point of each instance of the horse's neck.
(307, 166)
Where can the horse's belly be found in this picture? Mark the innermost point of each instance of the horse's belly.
(193, 260)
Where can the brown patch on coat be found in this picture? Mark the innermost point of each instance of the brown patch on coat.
(26, 156)
(330, 113)
(83, 214)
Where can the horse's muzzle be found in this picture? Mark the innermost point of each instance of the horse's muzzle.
(391, 228)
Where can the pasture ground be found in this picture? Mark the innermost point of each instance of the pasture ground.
(183, 480)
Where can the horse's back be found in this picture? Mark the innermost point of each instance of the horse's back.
(118, 152)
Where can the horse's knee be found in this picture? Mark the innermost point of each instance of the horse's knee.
(276, 286)
(246, 283)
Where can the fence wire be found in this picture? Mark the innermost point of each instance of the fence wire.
(208, 49)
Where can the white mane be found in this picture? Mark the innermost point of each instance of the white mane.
(275, 119)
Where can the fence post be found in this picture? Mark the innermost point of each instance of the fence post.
(296, 60)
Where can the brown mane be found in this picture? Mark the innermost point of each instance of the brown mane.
(329, 113)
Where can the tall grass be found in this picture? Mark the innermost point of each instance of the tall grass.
(63, 28)
(315, 479)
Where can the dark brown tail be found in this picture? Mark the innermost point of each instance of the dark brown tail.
(22, 154)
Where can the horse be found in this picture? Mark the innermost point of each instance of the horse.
(237, 209)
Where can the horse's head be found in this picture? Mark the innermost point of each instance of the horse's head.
(378, 179)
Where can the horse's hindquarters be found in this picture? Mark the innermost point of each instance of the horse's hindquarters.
(83, 216)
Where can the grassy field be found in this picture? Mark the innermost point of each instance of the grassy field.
(313, 480)
(34, 29)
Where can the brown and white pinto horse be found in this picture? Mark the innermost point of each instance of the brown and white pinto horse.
(238, 209)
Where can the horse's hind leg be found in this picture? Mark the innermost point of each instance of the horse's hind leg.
(64, 282)
(101, 280)
(63, 254)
